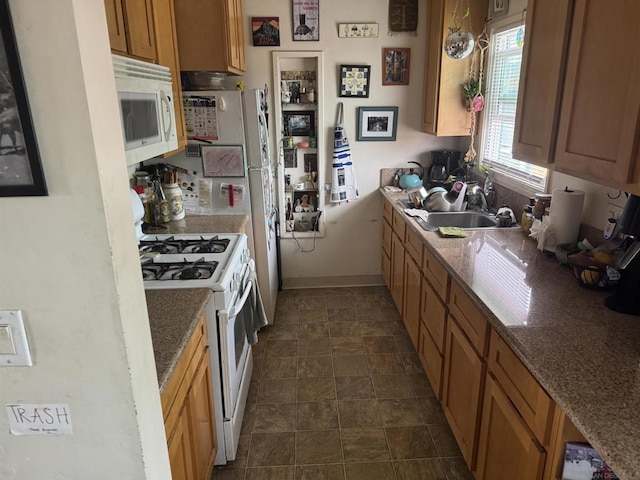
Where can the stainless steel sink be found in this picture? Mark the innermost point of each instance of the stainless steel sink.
(468, 219)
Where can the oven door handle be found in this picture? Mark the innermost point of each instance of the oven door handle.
(237, 307)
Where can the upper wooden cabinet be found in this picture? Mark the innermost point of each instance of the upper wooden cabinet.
(598, 128)
(211, 35)
(578, 103)
(444, 111)
(541, 74)
(131, 30)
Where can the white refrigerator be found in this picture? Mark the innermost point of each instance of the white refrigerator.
(234, 118)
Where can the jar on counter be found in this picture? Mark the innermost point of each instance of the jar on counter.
(173, 193)
(527, 218)
(542, 202)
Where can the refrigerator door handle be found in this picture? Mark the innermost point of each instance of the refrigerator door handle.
(255, 168)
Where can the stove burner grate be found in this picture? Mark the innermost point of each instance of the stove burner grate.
(186, 270)
(173, 245)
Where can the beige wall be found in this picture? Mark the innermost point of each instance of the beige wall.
(69, 262)
(352, 243)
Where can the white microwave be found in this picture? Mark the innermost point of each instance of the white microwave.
(147, 113)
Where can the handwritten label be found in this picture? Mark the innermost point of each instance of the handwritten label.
(40, 419)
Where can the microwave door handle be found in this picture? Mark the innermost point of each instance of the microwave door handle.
(165, 101)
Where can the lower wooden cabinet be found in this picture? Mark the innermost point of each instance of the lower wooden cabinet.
(507, 449)
(179, 446)
(431, 359)
(464, 375)
(411, 298)
(397, 270)
(187, 403)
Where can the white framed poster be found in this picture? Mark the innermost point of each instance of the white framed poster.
(306, 20)
(223, 160)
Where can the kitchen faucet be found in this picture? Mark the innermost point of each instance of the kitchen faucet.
(476, 199)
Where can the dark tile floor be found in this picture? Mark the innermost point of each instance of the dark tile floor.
(338, 393)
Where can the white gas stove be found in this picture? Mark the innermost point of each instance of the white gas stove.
(215, 261)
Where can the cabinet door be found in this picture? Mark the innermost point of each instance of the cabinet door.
(386, 237)
(201, 420)
(541, 74)
(397, 270)
(386, 269)
(464, 373)
(411, 298)
(431, 360)
(167, 52)
(179, 446)
(115, 25)
(140, 34)
(598, 129)
(506, 449)
(433, 315)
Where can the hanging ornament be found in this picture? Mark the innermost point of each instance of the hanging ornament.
(459, 44)
(473, 92)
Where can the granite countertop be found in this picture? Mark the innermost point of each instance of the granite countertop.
(173, 317)
(586, 356)
(204, 224)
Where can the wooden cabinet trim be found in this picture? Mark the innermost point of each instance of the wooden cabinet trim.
(434, 315)
(386, 269)
(530, 400)
(516, 456)
(471, 321)
(398, 224)
(387, 211)
(397, 270)
(141, 37)
(115, 25)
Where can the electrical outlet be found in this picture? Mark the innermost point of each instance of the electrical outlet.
(614, 211)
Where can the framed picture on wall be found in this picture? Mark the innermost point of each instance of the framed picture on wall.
(377, 124)
(306, 20)
(395, 66)
(266, 31)
(223, 160)
(354, 80)
(20, 167)
(299, 123)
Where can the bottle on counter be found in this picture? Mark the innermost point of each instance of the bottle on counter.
(165, 215)
(152, 209)
(527, 218)
(173, 192)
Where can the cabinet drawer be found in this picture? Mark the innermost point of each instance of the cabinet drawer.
(471, 321)
(387, 211)
(431, 360)
(526, 394)
(433, 315)
(413, 245)
(436, 274)
(386, 237)
(398, 224)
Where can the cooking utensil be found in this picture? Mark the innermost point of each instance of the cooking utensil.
(438, 200)
(411, 179)
(417, 196)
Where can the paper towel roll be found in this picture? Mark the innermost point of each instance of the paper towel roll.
(565, 215)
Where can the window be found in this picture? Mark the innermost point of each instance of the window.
(500, 113)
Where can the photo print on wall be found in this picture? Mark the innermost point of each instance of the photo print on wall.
(266, 31)
(306, 20)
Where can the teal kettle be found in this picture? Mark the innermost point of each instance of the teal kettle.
(411, 179)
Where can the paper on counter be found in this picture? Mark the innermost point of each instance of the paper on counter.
(196, 192)
(416, 212)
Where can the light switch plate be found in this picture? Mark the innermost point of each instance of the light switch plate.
(358, 30)
(14, 339)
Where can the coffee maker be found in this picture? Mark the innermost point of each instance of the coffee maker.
(627, 296)
(443, 164)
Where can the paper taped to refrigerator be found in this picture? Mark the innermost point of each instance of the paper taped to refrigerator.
(201, 117)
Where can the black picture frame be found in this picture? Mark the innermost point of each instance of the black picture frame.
(299, 123)
(21, 171)
(377, 124)
(354, 81)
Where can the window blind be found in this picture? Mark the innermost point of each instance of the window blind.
(500, 111)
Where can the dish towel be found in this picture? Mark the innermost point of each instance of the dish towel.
(344, 187)
(257, 317)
